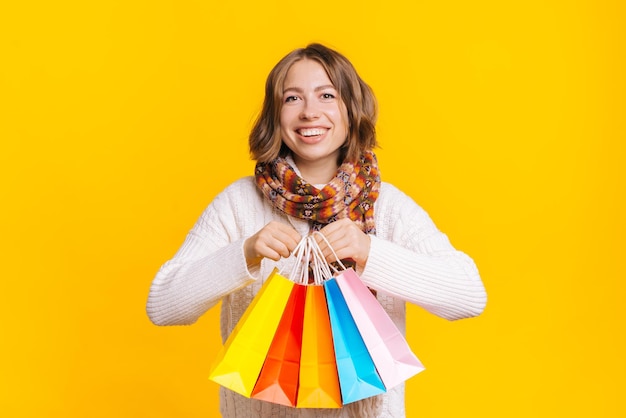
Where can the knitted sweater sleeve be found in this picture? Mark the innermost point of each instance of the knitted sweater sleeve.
(412, 260)
(209, 265)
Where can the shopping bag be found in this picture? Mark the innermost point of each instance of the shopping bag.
(238, 364)
(358, 377)
(385, 343)
(319, 382)
(278, 380)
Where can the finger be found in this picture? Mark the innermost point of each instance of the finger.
(328, 248)
(286, 241)
(347, 242)
(260, 249)
(286, 234)
(270, 246)
(337, 237)
(270, 253)
(323, 243)
(280, 243)
(335, 226)
(339, 228)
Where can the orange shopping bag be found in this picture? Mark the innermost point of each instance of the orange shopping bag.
(319, 381)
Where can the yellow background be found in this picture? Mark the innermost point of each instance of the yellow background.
(121, 120)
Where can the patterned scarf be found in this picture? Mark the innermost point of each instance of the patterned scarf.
(351, 193)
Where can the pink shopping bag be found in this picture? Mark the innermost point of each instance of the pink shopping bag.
(387, 346)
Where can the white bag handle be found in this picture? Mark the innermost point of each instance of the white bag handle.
(299, 271)
(321, 268)
(332, 250)
(308, 253)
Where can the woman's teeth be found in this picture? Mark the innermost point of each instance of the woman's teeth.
(312, 131)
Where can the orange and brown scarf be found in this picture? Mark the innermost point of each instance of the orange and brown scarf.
(351, 193)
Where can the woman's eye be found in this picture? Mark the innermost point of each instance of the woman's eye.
(328, 96)
(291, 99)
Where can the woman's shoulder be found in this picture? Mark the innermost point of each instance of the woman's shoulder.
(393, 201)
(245, 184)
(397, 212)
(389, 191)
(241, 191)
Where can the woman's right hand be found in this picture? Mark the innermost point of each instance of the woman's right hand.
(274, 240)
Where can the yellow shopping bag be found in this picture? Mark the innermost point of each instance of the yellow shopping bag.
(238, 364)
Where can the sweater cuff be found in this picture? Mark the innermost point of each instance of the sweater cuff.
(379, 264)
(238, 266)
(446, 284)
(183, 291)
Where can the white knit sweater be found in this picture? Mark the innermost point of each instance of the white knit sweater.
(410, 260)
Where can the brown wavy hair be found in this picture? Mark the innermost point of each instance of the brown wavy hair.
(265, 140)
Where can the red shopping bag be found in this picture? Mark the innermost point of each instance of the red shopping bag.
(278, 380)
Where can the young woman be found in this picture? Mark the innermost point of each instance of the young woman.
(315, 170)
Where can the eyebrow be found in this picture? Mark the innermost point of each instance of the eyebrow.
(319, 88)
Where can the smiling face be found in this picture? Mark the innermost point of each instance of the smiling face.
(313, 121)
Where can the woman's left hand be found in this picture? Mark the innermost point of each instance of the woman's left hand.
(348, 241)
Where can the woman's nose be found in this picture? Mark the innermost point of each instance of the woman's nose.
(309, 111)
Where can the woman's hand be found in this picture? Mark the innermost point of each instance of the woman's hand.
(274, 240)
(348, 241)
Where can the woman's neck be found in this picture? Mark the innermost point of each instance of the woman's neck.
(317, 172)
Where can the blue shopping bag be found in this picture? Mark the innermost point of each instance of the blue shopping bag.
(358, 377)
